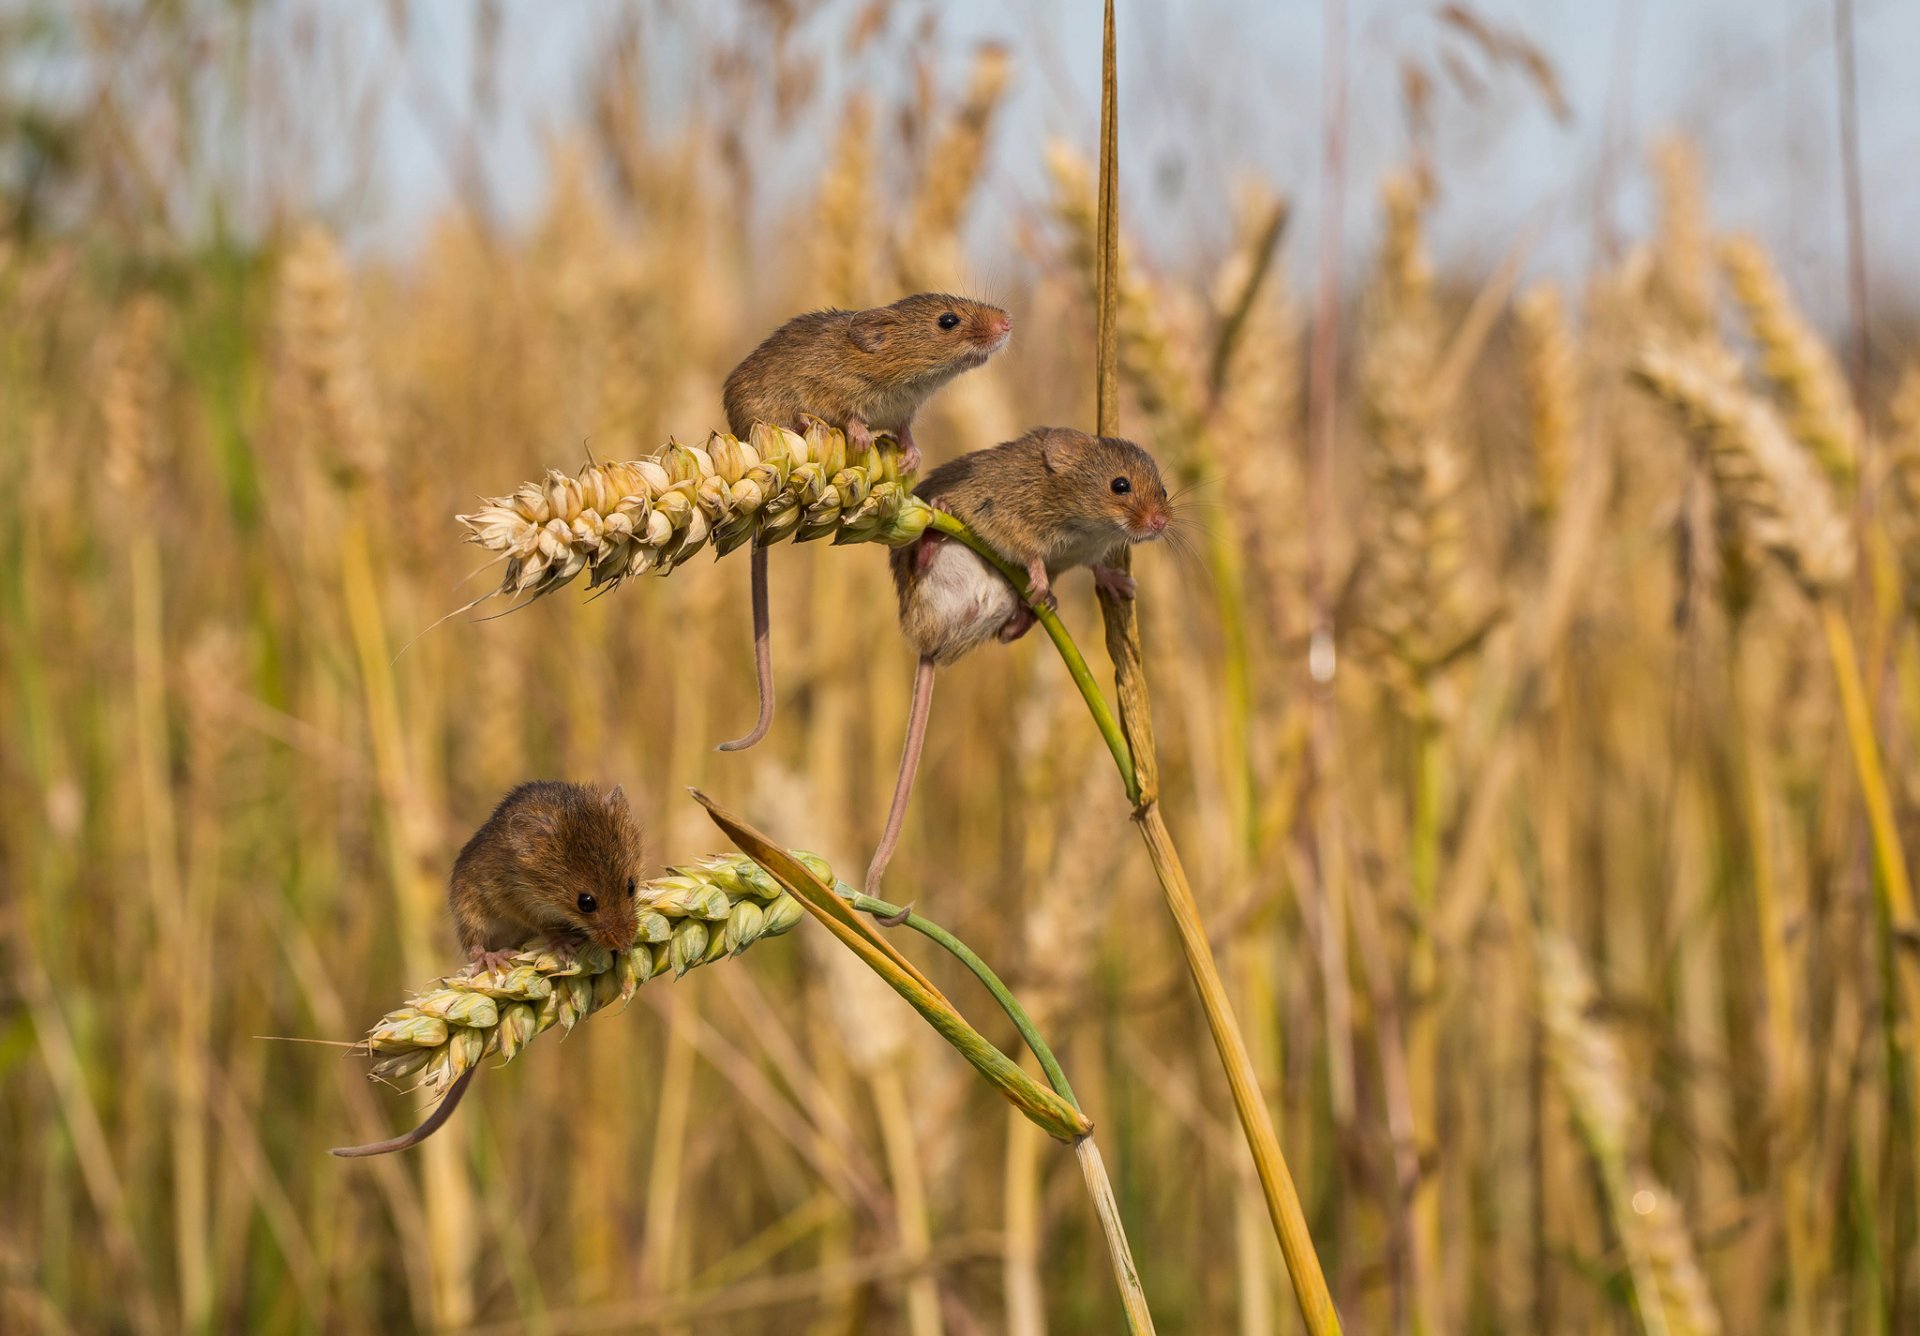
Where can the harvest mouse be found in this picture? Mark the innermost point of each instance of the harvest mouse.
(861, 371)
(1052, 500)
(554, 859)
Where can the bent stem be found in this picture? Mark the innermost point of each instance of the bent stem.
(1092, 1167)
(1016, 1013)
(840, 910)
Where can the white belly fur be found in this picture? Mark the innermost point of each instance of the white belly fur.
(958, 604)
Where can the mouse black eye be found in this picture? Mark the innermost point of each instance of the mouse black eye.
(948, 320)
(587, 903)
(633, 888)
(1121, 486)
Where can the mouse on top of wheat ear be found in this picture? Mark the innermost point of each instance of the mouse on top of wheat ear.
(556, 861)
(1053, 500)
(863, 372)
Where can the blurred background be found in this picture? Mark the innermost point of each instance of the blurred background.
(1524, 690)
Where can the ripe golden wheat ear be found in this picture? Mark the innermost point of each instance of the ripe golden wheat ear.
(650, 515)
(690, 917)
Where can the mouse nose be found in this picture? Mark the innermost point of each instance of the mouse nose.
(1157, 521)
(1003, 324)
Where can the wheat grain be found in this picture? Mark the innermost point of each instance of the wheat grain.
(324, 346)
(1592, 1072)
(1782, 500)
(1803, 373)
(692, 916)
(618, 520)
(1683, 255)
(130, 398)
(1552, 369)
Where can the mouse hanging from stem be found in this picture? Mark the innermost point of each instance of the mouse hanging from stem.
(556, 861)
(1052, 500)
(861, 371)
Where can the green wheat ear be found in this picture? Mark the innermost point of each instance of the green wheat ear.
(650, 515)
(690, 917)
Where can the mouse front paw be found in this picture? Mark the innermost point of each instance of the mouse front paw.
(859, 437)
(1039, 588)
(490, 962)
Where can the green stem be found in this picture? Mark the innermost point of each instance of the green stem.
(1016, 1013)
(1062, 641)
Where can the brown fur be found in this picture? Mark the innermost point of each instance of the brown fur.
(522, 873)
(1044, 502)
(871, 369)
(861, 371)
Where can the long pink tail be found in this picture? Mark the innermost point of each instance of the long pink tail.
(443, 1111)
(762, 654)
(909, 763)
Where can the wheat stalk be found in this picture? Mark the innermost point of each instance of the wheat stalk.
(1552, 369)
(1683, 254)
(955, 162)
(1783, 502)
(618, 520)
(1149, 360)
(1419, 600)
(1803, 372)
(1671, 1293)
(692, 916)
(324, 347)
(843, 243)
(131, 394)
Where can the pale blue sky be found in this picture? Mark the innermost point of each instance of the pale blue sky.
(1216, 89)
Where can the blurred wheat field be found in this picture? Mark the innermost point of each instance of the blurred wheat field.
(1565, 904)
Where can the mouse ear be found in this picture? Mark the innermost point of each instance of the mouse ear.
(868, 330)
(616, 798)
(527, 829)
(1061, 448)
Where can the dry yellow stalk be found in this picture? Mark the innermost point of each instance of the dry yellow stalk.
(623, 519)
(690, 917)
(1671, 1292)
(1552, 372)
(1783, 502)
(1803, 373)
(1149, 361)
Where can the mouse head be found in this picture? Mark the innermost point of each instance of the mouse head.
(581, 858)
(930, 333)
(1115, 478)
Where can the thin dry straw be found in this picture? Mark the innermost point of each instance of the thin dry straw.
(1123, 644)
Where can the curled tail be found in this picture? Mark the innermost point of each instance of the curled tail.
(762, 655)
(406, 1141)
(909, 763)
